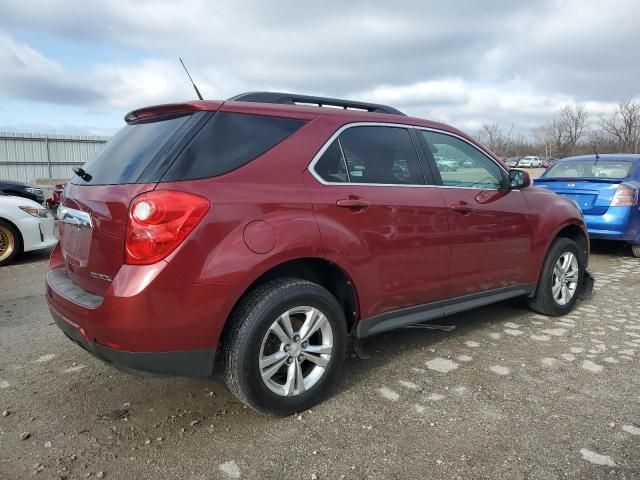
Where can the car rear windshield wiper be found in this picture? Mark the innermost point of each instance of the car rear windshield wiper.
(82, 174)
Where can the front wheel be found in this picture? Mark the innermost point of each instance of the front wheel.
(635, 250)
(10, 243)
(560, 280)
(286, 346)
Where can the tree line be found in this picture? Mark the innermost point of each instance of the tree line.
(572, 131)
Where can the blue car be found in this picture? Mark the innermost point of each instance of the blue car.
(606, 189)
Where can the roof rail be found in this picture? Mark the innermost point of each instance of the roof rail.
(296, 99)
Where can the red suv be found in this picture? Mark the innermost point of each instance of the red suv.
(266, 233)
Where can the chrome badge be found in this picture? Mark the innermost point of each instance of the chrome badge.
(101, 276)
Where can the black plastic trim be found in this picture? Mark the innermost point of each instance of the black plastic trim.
(172, 149)
(422, 313)
(295, 98)
(187, 363)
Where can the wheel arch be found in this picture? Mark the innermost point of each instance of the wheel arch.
(572, 230)
(314, 269)
(576, 233)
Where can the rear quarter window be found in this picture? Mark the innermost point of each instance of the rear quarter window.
(227, 142)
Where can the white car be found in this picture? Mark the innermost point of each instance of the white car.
(24, 226)
(530, 162)
(446, 165)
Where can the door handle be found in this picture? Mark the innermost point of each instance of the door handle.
(462, 207)
(353, 203)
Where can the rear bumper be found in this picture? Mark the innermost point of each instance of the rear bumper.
(148, 321)
(618, 223)
(189, 363)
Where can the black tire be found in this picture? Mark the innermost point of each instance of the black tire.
(635, 250)
(12, 237)
(543, 300)
(250, 322)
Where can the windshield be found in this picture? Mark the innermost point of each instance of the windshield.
(591, 169)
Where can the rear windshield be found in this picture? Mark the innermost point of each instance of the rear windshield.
(590, 169)
(229, 141)
(129, 152)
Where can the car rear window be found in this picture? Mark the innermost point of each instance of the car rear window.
(228, 141)
(129, 152)
(617, 169)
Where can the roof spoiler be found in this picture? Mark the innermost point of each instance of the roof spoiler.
(169, 110)
(296, 99)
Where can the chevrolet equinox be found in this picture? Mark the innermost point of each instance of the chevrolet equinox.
(267, 233)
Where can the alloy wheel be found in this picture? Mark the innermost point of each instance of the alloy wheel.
(296, 351)
(565, 278)
(7, 243)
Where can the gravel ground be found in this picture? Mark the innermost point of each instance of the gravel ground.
(508, 394)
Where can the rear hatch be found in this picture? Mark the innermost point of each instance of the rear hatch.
(92, 233)
(173, 143)
(592, 195)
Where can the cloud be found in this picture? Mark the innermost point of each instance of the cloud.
(29, 75)
(460, 62)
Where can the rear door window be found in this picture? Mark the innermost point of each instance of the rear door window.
(130, 151)
(371, 155)
(227, 142)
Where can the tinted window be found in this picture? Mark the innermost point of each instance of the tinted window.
(228, 141)
(331, 167)
(129, 152)
(460, 164)
(383, 155)
(590, 169)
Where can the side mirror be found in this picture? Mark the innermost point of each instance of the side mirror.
(519, 179)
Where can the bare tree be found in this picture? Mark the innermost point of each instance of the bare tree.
(491, 135)
(571, 124)
(624, 126)
(545, 135)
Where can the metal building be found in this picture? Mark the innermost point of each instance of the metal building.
(31, 157)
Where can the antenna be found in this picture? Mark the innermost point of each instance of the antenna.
(192, 82)
(597, 156)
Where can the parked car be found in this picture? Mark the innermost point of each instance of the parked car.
(21, 189)
(548, 162)
(606, 190)
(235, 233)
(54, 201)
(447, 164)
(24, 226)
(512, 162)
(530, 162)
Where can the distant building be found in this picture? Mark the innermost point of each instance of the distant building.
(31, 157)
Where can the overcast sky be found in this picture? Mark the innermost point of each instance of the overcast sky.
(79, 66)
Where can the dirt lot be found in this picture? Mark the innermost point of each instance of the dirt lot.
(509, 394)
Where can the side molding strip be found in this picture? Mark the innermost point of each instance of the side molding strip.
(422, 313)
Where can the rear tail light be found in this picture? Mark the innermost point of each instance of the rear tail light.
(158, 222)
(625, 196)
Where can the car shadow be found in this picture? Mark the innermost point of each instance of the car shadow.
(609, 247)
(383, 347)
(32, 257)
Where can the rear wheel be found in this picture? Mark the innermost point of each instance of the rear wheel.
(635, 249)
(286, 346)
(560, 280)
(10, 244)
